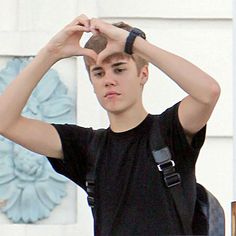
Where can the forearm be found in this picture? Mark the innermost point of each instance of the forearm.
(189, 77)
(65, 43)
(14, 98)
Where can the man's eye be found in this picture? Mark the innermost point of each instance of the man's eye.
(119, 70)
(98, 74)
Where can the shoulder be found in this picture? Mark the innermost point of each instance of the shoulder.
(175, 136)
(78, 134)
(98, 136)
(170, 114)
(168, 119)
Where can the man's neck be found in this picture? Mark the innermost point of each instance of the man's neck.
(126, 120)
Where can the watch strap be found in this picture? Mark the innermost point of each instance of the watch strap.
(130, 39)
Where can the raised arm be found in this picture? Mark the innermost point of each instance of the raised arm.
(203, 91)
(36, 135)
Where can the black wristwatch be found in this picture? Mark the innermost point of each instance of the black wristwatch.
(130, 39)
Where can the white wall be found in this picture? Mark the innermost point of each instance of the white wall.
(200, 31)
(234, 93)
(234, 99)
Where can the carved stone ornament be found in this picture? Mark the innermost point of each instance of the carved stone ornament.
(29, 187)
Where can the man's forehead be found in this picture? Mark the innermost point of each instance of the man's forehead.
(112, 60)
(116, 57)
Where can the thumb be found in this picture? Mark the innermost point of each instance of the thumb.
(89, 53)
(103, 55)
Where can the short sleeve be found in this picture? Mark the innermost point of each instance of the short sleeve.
(75, 140)
(176, 139)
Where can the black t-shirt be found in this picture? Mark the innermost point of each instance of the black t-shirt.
(131, 197)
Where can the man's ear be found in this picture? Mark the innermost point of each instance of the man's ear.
(143, 74)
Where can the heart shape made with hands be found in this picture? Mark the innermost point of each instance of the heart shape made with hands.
(67, 42)
(115, 37)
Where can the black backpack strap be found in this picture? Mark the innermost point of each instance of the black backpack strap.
(95, 148)
(172, 179)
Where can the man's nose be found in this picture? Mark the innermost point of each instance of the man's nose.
(109, 80)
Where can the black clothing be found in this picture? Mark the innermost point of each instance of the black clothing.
(131, 197)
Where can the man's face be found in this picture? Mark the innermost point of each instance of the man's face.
(117, 84)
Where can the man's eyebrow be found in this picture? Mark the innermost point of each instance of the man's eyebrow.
(118, 64)
(96, 68)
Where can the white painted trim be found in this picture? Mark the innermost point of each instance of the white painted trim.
(206, 9)
(234, 99)
(26, 43)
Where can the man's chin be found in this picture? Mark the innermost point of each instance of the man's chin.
(114, 111)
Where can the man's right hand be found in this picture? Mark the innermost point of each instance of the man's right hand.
(36, 135)
(66, 43)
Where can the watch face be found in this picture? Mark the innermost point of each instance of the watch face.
(138, 32)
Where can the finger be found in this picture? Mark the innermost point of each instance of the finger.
(103, 55)
(79, 18)
(89, 53)
(82, 20)
(97, 25)
(109, 30)
(76, 28)
(94, 31)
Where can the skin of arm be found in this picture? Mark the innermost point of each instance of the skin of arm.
(203, 91)
(196, 108)
(17, 128)
(40, 137)
(36, 135)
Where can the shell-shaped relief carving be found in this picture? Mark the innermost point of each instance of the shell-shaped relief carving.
(29, 187)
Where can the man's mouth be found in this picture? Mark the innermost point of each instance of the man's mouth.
(111, 94)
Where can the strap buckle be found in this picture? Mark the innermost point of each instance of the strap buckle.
(90, 186)
(172, 180)
(91, 201)
(166, 165)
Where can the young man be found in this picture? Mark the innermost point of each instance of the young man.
(130, 196)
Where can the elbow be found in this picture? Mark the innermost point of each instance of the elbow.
(2, 129)
(214, 91)
(2, 132)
